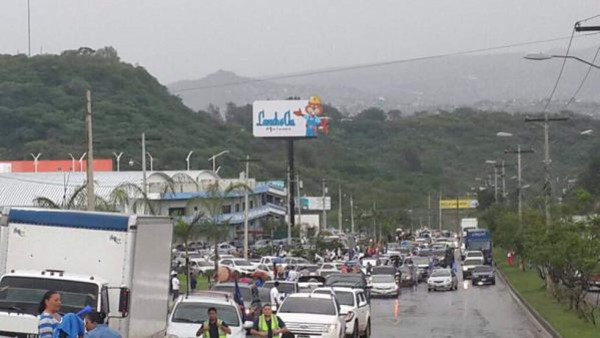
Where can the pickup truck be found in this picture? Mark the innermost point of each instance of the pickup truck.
(313, 315)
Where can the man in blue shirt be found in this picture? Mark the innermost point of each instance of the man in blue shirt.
(95, 327)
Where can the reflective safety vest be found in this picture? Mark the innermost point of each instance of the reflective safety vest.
(262, 324)
(222, 333)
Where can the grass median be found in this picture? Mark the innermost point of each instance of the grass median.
(529, 285)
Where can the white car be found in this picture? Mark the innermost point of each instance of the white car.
(384, 286)
(328, 268)
(310, 315)
(239, 265)
(201, 266)
(473, 254)
(266, 269)
(442, 279)
(192, 311)
(355, 308)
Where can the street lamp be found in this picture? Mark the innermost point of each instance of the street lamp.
(187, 159)
(81, 161)
(214, 157)
(35, 160)
(118, 156)
(542, 57)
(72, 162)
(151, 161)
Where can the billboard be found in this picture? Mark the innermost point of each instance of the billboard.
(315, 203)
(462, 204)
(289, 118)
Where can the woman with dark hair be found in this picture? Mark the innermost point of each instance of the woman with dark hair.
(49, 317)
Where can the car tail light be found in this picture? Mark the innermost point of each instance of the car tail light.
(349, 316)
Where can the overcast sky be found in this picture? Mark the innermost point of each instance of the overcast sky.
(187, 39)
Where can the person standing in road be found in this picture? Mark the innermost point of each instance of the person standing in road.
(275, 296)
(49, 317)
(213, 327)
(95, 327)
(269, 326)
(175, 285)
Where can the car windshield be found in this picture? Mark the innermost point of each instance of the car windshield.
(344, 298)
(286, 288)
(349, 279)
(476, 261)
(25, 293)
(382, 279)
(474, 254)
(383, 270)
(440, 273)
(242, 262)
(245, 291)
(420, 260)
(196, 312)
(483, 268)
(317, 306)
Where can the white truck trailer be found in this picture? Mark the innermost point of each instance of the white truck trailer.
(115, 263)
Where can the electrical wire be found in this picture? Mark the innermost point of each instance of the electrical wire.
(380, 64)
(562, 68)
(584, 79)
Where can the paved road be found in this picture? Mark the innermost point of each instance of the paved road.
(482, 312)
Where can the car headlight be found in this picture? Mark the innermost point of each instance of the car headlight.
(465, 268)
(329, 328)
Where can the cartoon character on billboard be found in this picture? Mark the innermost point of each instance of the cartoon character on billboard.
(314, 120)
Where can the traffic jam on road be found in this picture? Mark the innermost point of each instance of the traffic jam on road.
(332, 293)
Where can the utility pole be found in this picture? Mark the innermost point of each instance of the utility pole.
(117, 156)
(298, 187)
(495, 184)
(351, 214)
(340, 208)
(324, 189)
(28, 29)
(440, 211)
(547, 180)
(519, 151)
(246, 205)
(504, 181)
(91, 198)
(145, 186)
(429, 209)
(374, 223)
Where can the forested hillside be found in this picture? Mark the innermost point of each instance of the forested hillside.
(377, 156)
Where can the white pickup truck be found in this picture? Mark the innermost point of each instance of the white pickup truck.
(313, 315)
(115, 263)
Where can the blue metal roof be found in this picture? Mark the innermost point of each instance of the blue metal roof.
(69, 219)
(259, 189)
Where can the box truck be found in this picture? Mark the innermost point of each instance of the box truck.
(115, 263)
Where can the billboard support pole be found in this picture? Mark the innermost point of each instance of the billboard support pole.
(291, 188)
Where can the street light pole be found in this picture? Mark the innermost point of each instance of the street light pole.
(35, 160)
(118, 156)
(145, 188)
(187, 159)
(519, 151)
(324, 189)
(91, 197)
(151, 161)
(246, 207)
(340, 208)
(72, 162)
(298, 187)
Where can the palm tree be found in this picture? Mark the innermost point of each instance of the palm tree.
(212, 224)
(130, 197)
(77, 200)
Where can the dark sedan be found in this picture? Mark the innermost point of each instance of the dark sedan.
(483, 274)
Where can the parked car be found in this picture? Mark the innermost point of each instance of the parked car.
(191, 311)
(201, 266)
(473, 254)
(408, 276)
(483, 274)
(227, 248)
(469, 264)
(328, 268)
(285, 288)
(245, 290)
(266, 269)
(238, 265)
(308, 269)
(384, 285)
(442, 279)
(313, 315)
(354, 307)
(262, 244)
(352, 280)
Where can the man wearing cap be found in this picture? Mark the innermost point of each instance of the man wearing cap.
(267, 325)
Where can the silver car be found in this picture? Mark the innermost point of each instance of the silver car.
(442, 279)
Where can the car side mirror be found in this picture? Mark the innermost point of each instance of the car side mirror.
(248, 325)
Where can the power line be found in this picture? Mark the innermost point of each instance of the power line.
(379, 64)
(562, 68)
(584, 79)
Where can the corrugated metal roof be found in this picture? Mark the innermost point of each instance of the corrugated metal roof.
(20, 189)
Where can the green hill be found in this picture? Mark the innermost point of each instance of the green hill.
(393, 160)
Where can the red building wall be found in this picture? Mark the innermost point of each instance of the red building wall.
(55, 166)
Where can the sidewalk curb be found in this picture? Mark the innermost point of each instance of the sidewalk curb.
(533, 314)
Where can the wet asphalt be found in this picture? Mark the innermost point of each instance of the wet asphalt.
(480, 311)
